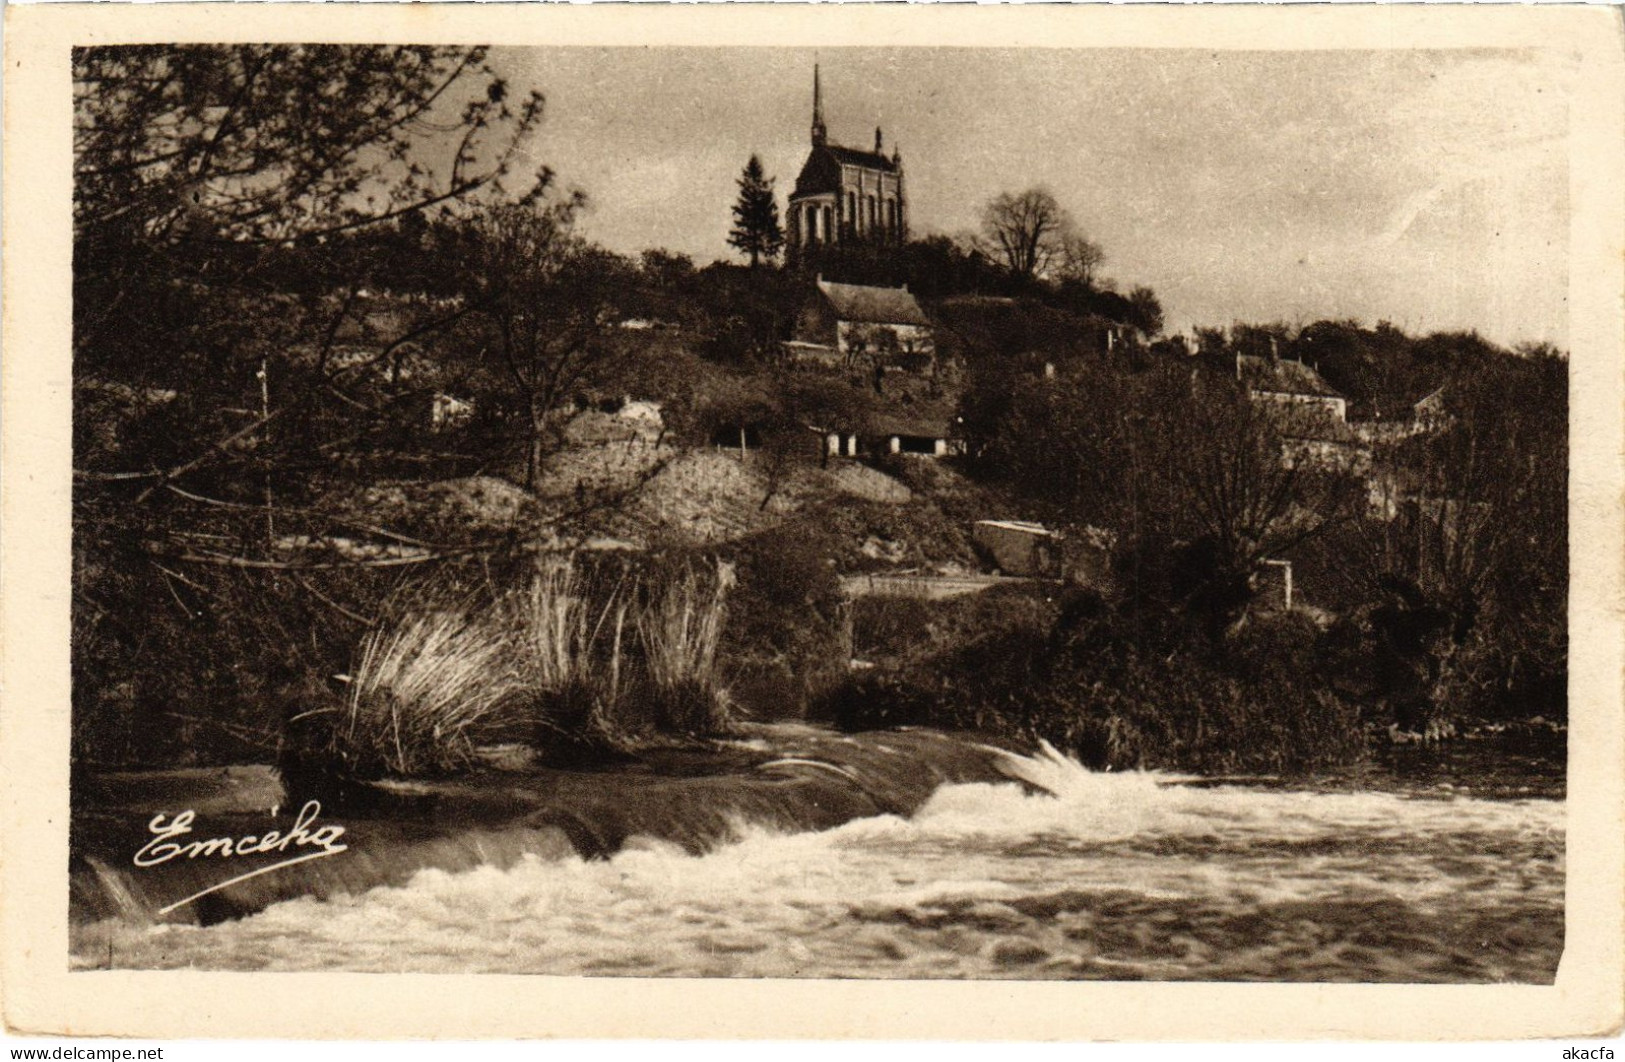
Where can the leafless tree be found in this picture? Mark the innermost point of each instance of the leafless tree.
(1080, 258)
(1480, 529)
(1226, 473)
(206, 177)
(1168, 457)
(221, 194)
(276, 142)
(533, 282)
(1026, 230)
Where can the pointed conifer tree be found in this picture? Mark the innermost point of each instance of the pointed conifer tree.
(756, 230)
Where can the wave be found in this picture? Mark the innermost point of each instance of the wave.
(1051, 872)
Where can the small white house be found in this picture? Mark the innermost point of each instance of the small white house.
(1290, 383)
(839, 443)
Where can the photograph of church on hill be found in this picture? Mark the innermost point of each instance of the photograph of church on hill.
(843, 194)
(514, 532)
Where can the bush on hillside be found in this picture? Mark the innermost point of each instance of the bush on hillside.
(897, 628)
(177, 664)
(424, 695)
(566, 639)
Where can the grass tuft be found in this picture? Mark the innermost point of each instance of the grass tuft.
(424, 694)
(567, 650)
(576, 667)
(680, 628)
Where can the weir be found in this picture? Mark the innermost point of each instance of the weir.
(250, 844)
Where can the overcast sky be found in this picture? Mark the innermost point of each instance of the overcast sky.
(1428, 188)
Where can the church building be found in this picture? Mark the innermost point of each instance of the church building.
(845, 195)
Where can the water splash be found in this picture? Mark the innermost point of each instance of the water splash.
(1062, 873)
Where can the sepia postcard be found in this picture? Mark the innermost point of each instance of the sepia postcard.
(736, 521)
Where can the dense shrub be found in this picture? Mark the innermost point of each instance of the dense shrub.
(362, 672)
(1258, 704)
(785, 637)
(177, 663)
(896, 628)
(680, 627)
(567, 637)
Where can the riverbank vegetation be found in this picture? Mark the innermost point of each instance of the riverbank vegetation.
(569, 666)
(378, 463)
(1431, 574)
(1069, 670)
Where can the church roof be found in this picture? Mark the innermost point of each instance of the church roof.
(856, 302)
(822, 170)
(869, 159)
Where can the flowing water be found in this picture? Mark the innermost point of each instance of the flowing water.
(1104, 876)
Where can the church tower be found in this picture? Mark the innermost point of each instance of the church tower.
(844, 195)
(819, 133)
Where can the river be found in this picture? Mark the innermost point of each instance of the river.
(1102, 876)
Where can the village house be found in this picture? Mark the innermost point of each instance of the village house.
(1290, 383)
(1382, 421)
(843, 324)
(1311, 439)
(1431, 412)
(910, 415)
(842, 442)
(1313, 420)
(919, 435)
(1393, 419)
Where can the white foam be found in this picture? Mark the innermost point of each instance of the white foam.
(940, 894)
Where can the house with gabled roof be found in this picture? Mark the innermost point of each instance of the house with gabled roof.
(1389, 419)
(1289, 382)
(1313, 421)
(1431, 412)
(855, 320)
(921, 435)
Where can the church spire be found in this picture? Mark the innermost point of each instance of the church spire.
(818, 133)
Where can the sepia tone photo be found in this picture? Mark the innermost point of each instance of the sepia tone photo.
(821, 511)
